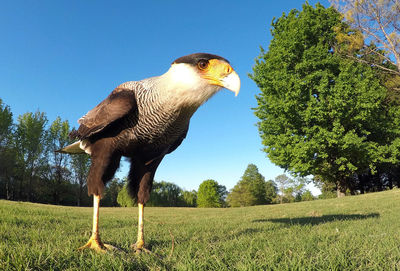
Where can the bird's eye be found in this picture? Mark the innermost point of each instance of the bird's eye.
(202, 64)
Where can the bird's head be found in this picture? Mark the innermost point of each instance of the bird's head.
(197, 77)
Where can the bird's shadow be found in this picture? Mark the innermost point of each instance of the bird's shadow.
(316, 220)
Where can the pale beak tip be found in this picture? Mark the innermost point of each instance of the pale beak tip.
(232, 82)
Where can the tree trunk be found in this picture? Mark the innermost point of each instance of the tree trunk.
(57, 191)
(78, 196)
(80, 191)
(341, 189)
(7, 190)
(340, 193)
(390, 183)
(20, 184)
(28, 196)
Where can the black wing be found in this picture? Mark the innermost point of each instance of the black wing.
(118, 104)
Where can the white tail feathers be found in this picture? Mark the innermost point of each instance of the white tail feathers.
(74, 148)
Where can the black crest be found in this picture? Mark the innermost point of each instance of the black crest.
(193, 59)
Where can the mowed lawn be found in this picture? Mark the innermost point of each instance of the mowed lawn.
(352, 233)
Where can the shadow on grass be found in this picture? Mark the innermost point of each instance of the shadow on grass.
(316, 220)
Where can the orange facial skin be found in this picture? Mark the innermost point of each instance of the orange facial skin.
(214, 70)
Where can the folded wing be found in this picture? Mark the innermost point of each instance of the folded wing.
(118, 104)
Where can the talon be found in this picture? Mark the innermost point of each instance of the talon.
(96, 244)
(138, 247)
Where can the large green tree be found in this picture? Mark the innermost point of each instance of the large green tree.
(211, 194)
(321, 113)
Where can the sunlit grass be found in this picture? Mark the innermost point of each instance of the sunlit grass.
(353, 233)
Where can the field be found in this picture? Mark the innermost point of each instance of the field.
(352, 233)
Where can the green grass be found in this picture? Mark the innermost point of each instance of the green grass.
(352, 233)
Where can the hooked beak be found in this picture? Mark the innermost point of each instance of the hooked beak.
(221, 73)
(231, 82)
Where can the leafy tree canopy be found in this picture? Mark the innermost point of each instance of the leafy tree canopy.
(321, 114)
(5, 123)
(250, 190)
(210, 194)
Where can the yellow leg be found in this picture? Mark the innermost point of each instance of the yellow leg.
(139, 245)
(95, 241)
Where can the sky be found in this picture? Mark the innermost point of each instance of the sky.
(64, 57)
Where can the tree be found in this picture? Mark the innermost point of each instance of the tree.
(256, 183)
(123, 198)
(377, 22)
(111, 193)
(7, 152)
(5, 123)
(210, 194)
(241, 195)
(58, 173)
(190, 198)
(271, 192)
(291, 189)
(298, 185)
(30, 142)
(80, 164)
(283, 182)
(165, 194)
(321, 114)
(328, 190)
(307, 196)
(250, 190)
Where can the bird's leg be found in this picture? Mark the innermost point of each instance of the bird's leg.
(95, 241)
(139, 245)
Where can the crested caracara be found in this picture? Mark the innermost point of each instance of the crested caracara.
(143, 121)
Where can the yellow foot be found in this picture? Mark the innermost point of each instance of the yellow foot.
(138, 247)
(96, 244)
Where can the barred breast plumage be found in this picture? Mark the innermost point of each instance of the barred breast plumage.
(156, 125)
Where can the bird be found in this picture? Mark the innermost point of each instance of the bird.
(144, 121)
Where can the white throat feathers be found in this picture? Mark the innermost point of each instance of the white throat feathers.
(185, 87)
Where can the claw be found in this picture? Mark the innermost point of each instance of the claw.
(96, 244)
(138, 247)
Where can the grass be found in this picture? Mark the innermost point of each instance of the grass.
(352, 233)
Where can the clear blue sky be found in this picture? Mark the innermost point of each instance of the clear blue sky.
(64, 57)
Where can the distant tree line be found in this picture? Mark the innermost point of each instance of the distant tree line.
(163, 194)
(252, 189)
(31, 170)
